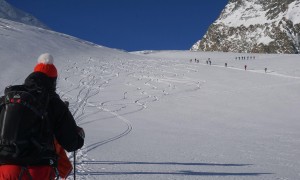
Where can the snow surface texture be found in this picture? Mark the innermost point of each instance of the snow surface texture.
(162, 115)
(7, 11)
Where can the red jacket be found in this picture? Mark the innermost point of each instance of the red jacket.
(14, 172)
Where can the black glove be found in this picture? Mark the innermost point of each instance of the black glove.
(80, 132)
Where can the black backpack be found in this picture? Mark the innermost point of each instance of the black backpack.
(25, 132)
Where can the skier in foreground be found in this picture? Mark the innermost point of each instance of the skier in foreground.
(16, 160)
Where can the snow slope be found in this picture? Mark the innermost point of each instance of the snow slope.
(7, 11)
(158, 115)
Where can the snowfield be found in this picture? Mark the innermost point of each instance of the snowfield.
(158, 115)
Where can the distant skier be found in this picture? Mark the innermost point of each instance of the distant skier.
(225, 64)
(265, 70)
(209, 61)
(245, 67)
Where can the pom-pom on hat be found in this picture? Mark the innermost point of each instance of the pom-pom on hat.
(45, 65)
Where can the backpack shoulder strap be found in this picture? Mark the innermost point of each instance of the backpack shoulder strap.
(2, 102)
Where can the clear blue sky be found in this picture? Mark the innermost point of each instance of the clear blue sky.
(128, 24)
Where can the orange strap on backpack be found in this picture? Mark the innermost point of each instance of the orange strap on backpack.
(64, 165)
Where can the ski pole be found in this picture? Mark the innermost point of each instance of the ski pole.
(74, 164)
(74, 153)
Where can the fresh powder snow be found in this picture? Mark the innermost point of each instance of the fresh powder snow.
(158, 115)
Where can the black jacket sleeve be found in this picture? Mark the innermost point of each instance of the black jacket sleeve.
(2, 102)
(64, 125)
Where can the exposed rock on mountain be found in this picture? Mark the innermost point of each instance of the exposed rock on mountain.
(255, 26)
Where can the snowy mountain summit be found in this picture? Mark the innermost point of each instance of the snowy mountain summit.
(256, 26)
(9, 12)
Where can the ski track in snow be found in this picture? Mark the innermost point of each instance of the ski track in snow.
(96, 78)
(127, 131)
(145, 81)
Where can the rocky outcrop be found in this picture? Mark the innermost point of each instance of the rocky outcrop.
(251, 26)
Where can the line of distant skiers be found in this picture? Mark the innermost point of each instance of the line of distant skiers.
(197, 61)
(208, 61)
(236, 58)
(245, 58)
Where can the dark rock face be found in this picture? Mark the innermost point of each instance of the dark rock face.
(255, 26)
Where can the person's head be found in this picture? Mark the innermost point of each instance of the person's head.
(45, 65)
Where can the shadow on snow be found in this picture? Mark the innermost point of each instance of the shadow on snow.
(160, 163)
(183, 173)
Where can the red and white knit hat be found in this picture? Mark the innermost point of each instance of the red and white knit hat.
(46, 66)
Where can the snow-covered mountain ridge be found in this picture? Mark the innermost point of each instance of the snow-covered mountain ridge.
(257, 26)
(7, 11)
